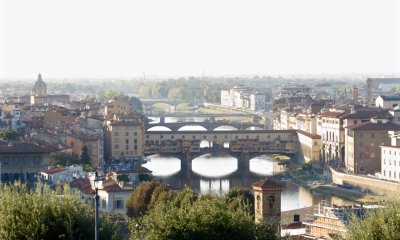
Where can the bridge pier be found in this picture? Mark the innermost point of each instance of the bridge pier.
(186, 168)
(244, 167)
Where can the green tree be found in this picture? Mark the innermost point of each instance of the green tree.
(185, 215)
(139, 201)
(123, 178)
(9, 135)
(63, 158)
(135, 104)
(85, 158)
(382, 223)
(43, 214)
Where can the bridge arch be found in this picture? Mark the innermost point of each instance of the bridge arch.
(254, 128)
(192, 127)
(225, 128)
(159, 128)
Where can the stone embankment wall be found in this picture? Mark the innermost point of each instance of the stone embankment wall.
(370, 184)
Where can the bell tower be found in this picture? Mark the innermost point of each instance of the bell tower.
(267, 201)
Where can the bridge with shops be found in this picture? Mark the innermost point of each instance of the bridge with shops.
(242, 144)
(209, 126)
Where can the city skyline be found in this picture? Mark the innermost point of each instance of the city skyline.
(182, 38)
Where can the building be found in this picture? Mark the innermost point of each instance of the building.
(243, 97)
(10, 116)
(387, 101)
(310, 145)
(22, 160)
(58, 118)
(331, 222)
(115, 107)
(112, 196)
(39, 92)
(267, 201)
(330, 128)
(379, 85)
(363, 141)
(93, 143)
(125, 136)
(390, 162)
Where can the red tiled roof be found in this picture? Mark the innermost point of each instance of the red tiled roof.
(267, 183)
(53, 170)
(83, 184)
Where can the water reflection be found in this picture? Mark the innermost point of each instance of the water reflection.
(214, 166)
(163, 166)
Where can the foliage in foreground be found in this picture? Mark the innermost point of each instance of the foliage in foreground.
(186, 215)
(44, 214)
(382, 223)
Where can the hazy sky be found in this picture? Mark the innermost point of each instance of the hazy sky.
(85, 38)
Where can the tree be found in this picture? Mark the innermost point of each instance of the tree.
(9, 135)
(85, 158)
(186, 215)
(63, 158)
(135, 104)
(43, 214)
(381, 223)
(139, 201)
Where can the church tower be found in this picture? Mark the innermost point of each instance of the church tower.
(267, 200)
(39, 92)
(40, 87)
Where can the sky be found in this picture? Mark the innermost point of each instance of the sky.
(126, 38)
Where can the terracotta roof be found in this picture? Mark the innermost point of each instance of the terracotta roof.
(22, 147)
(374, 126)
(53, 170)
(310, 135)
(83, 184)
(266, 183)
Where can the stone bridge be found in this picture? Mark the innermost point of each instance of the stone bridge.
(209, 126)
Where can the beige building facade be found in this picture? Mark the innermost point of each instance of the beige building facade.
(363, 141)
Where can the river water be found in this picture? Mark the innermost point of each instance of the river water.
(219, 173)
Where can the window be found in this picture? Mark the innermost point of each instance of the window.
(127, 147)
(355, 121)
(103, 203)
(126, 134)
(116, 146)
(135, 134)
(119, 204)
(372, 135)
(194, 137)
(116, 140)
(161, 136)
(116, 134)
(271, 202)
(135, 147)
(135, 141)
(126, 141)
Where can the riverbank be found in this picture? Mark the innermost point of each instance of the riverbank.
(306, 180)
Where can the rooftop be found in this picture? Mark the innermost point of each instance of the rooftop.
(22, 147)
(374, 126)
